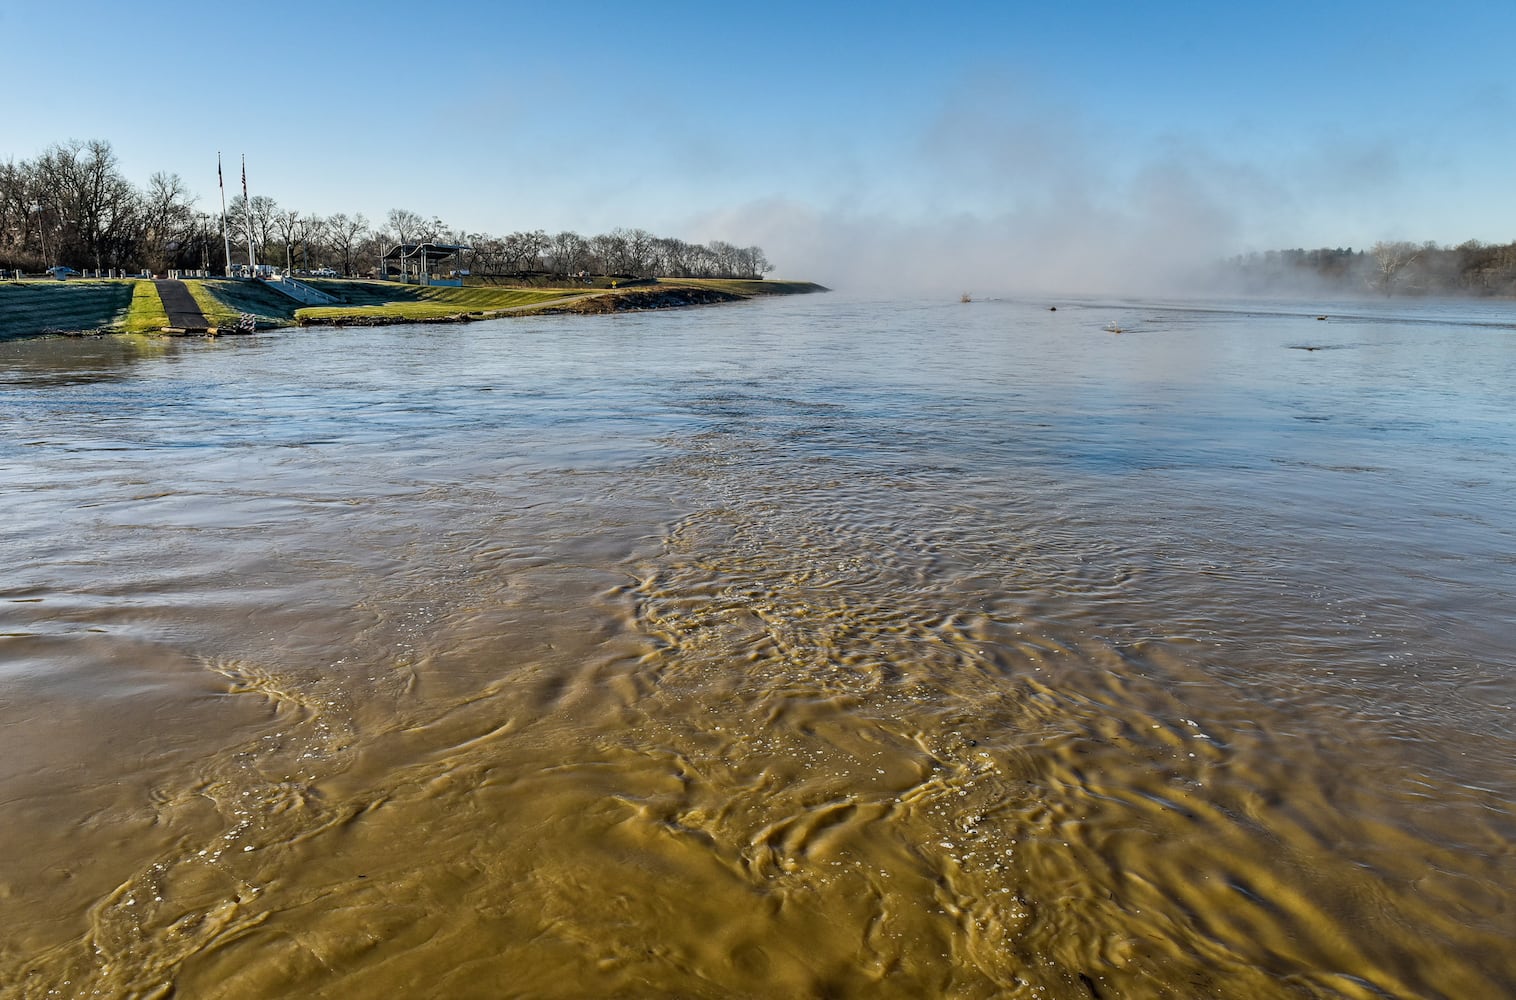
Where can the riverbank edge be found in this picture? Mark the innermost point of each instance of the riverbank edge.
(637, 299)
(643, 297)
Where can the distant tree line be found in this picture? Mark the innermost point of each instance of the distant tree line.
(71, 205)
(1386, 268)
(626, 252)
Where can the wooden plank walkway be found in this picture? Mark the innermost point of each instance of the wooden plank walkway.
(183, 311)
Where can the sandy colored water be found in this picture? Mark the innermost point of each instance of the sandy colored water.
(807, 648)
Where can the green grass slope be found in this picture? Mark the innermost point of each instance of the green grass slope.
(30, 308)
(146, 313)
(269, 307)
(371, 301)
(216, 312)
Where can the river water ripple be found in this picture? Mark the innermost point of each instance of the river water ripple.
(812, 647)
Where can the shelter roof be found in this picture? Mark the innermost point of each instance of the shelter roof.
(433, 251)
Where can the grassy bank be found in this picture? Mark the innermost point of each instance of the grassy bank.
(218, 313)
(145, 314)
(268, 307)
(31, 308)
(675, 293)
(372, 302)
(659, 296)
(367, 301)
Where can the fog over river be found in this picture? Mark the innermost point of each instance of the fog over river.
(811, 647)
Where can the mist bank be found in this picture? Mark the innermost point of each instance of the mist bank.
(1052, 252)
(1081, 250)
(1014, 191)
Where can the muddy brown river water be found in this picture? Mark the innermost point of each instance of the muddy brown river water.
(805, 648)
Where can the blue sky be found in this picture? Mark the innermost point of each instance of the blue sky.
(945, 139)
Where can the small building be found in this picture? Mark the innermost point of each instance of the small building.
(416, 261)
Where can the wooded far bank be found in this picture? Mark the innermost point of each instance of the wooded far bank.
(1389, 268)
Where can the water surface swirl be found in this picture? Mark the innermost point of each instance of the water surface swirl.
(806, 648)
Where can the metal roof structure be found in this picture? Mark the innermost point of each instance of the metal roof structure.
(420, 257)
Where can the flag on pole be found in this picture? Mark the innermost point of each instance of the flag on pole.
(247, 203)
(226, 237)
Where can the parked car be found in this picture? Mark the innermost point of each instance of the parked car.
(60, 272)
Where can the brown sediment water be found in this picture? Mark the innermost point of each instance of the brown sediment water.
(804, 648)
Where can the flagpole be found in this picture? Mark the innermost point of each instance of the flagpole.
(226, 236)
(247, 203)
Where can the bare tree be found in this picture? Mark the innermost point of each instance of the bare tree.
(567, 252)
(310, 230)
(639, 251)
(609, 252)
(1390, 259)
(405, 225)
(94, 211)
(670, 256)
(486, 254)
(703, 262)
(18, 219)
(523, 251)
(754, 263)
(347, 234)
(371, 246)
(728, 258)
(168, 221)
(204, 249)
(265, 222)
(287, 226)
